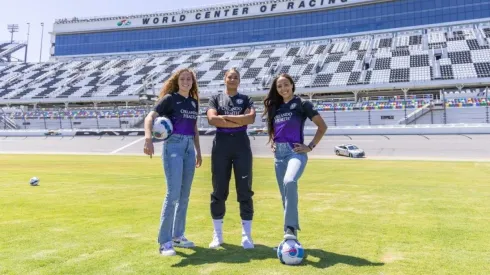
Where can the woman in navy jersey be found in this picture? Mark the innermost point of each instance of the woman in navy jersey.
(286, 115)
(231, 112)
(181, 155)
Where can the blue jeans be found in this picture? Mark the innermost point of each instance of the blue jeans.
(289, 167)
(179, 164)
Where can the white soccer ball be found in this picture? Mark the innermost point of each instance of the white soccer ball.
(34, 181)
(290, 252)
(162, 128)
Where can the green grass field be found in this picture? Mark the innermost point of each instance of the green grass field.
(100, 214)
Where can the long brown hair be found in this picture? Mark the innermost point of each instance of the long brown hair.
(172, 84)
(272, 102)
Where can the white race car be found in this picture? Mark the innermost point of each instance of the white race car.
(349, 150)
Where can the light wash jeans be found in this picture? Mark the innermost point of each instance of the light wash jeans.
(179, 164)
(289, 167)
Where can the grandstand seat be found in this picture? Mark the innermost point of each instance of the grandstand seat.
(407, 56)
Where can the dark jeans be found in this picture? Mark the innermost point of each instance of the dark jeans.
(231, 150)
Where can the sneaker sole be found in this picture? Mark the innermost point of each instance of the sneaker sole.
(215, 247)
(184, 245)
(290, 237)
(168, 254)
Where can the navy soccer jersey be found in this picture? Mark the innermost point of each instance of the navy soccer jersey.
(180, 110)
(289, 120)
(230, 105)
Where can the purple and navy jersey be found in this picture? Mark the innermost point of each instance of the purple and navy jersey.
(231, 105)
(289, 120)
(181, 111)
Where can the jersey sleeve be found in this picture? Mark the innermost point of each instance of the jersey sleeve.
(213, 103)
(164, 106)
(250, 103)
(309, 110)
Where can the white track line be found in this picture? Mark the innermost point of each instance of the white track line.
(127, 145)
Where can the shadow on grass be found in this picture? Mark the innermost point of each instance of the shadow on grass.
(327, 259)
(230, 253)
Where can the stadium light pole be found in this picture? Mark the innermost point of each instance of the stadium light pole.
(13, 28)
(42, 36)
(27, 43)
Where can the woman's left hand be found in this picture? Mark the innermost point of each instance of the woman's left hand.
(198, 160)
(301, 148)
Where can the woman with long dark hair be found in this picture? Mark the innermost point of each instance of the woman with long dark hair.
(286, 115)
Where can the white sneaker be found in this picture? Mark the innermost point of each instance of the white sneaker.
(217, 241)
(247, 242)
(182, 242)
(290, 234)
(167, 249)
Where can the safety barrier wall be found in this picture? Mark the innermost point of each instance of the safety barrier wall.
(434, 129)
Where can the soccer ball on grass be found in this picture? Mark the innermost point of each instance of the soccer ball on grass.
(290, 252)
(34, 181)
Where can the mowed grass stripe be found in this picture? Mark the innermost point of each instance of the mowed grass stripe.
(100, 214)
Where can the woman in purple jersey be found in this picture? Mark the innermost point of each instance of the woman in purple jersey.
(181, 155)
(286, 115)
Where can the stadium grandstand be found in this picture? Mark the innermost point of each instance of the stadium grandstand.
(364, 62)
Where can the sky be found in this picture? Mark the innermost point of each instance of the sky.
(35, 12)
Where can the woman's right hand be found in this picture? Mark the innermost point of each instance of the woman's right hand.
(148, 147)
(273, 147)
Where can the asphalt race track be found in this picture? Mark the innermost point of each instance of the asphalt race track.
(409, 147)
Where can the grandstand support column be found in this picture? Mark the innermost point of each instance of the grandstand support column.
(97, 119)
(432, 113)
(444, 104)
(486, 100)
(369, 107)
(24, 119)
(355, 95)
(5, 121)
(334, 114)
(405, 92)
(59, 116)
(460, 87)
(96, 115)
(118, 116)
(44, 118)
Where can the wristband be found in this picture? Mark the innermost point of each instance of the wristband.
(311, 146)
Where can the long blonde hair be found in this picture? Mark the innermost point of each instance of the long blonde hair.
(172, 84)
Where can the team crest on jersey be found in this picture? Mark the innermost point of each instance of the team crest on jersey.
(293, 106)
(193, 104)
(239, 101)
